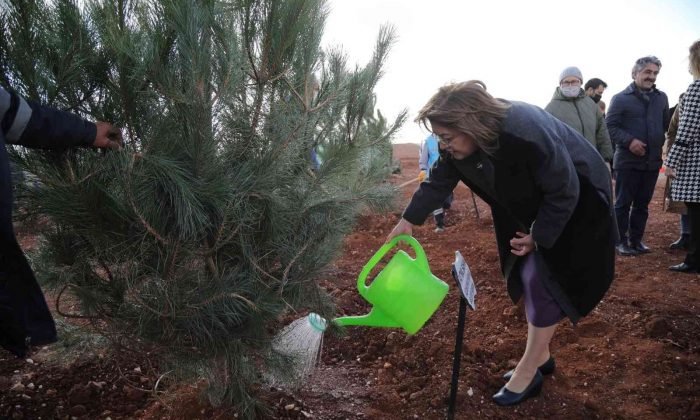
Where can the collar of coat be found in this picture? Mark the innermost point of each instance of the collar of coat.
(632, 88)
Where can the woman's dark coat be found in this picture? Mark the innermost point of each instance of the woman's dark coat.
(546, 179)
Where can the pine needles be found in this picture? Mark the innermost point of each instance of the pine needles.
(213, 220)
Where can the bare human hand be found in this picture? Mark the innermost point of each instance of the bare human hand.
(670, 172)
(522, 244)
(107, 136)
(404, 227)
(638, 147)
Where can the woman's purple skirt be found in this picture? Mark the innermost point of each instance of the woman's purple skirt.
(540, 307)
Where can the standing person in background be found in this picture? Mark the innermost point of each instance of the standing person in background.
(601, 105)
(594, 89)
(24, 316)
(683, 162)
(429, 154)
(637, 120)
(551, 200)
(315, 160)
(570, 105)
(683, 240)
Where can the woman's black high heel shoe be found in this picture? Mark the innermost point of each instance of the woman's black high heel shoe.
(505, 397)
(546, 368)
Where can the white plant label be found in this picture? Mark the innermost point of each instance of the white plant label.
(463, 276)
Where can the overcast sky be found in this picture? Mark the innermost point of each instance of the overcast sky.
(517, 47)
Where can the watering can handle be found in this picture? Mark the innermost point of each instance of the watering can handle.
(420, 258)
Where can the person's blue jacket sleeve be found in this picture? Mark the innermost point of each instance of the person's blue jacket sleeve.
(32, 125)
(423, 156)
(432, 193)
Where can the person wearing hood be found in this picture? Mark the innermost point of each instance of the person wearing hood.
(572, 106)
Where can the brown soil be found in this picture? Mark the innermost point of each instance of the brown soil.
(635, 356)
(48, 386)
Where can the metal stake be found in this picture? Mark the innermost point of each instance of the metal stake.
(476, 209)
(457, 357)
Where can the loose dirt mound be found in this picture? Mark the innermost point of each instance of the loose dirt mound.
(46, 387)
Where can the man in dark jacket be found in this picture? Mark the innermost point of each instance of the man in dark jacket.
(24, 316)
(637, 120)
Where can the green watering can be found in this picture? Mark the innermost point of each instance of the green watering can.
(404, 294)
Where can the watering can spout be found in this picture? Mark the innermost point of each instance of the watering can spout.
(375, 318)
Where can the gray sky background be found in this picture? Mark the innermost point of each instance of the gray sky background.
(518, 48)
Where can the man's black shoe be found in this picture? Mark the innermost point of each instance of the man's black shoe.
(683, 268)
(625, 251)
(640, 248)
(682, 243)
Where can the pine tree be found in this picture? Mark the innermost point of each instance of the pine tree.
(212, 221)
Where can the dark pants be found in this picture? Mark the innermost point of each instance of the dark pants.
(439, 214)
(692, 258)
(23, 310)
(685, 224)
(633, 189)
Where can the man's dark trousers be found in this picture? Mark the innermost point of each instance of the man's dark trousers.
(23, 309)
(692, 258)
(633, 189)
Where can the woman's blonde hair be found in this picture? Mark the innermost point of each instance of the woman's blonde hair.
(694, 59)
(468, 108)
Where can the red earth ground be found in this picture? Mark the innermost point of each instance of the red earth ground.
(634, 357)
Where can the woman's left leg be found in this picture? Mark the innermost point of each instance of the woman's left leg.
(543, 314)
(536, 353)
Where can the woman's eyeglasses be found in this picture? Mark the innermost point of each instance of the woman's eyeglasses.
(443, 141)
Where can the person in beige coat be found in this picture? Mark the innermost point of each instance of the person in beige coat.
(571, 105)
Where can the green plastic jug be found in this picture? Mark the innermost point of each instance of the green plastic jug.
(404, 294)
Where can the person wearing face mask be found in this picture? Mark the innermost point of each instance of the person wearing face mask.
(594, 89)
(572, 106)
(637, 120)
(551, 200)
